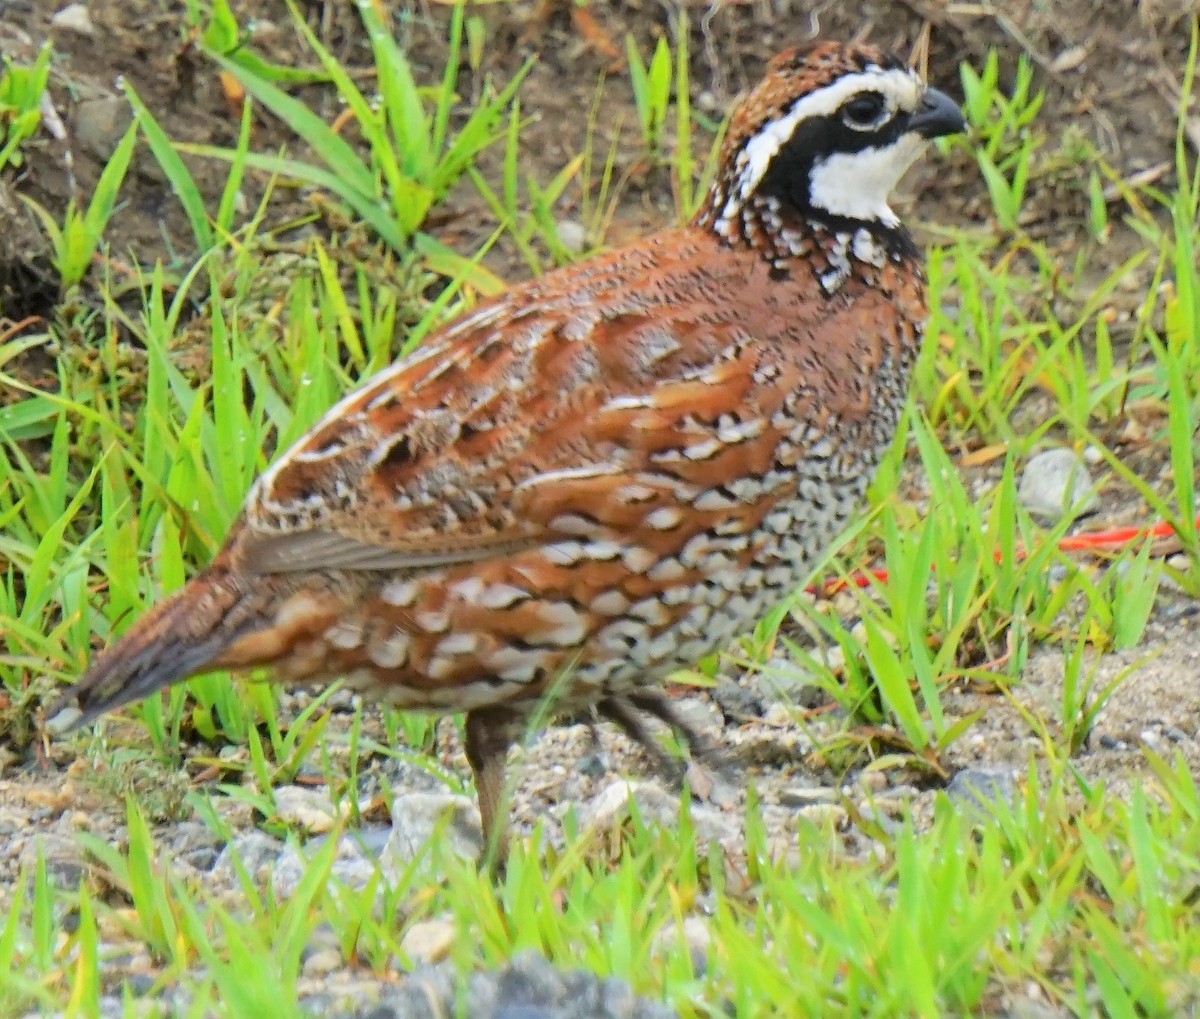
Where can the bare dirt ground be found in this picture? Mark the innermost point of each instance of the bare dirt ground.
(1111, 70)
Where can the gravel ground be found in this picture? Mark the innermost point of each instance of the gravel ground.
(769, 737)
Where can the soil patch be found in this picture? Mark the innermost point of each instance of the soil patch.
(1109, 76)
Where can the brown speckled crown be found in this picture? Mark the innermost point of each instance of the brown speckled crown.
(583, 485)
(796, 72)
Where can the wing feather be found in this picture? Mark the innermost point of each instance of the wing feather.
(556, 401)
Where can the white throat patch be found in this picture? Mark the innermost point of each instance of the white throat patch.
(857, 184)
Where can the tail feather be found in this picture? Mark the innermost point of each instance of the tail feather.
(180, 638)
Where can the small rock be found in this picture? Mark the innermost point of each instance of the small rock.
(1177, 735)
(609, 808)
(202, 858)
(428, 942)
(100, 123)
(979, 786)
(322, 963)
(62, 857)
(74, 18)
(141, 984)
(1055, 483)
(806, 796)
(255, 851)
(346, 699)
(351, 866)
(1178, 561)
(262, 30)
(873, 781)
(825, 814)
(737, 702)
(694, 934)
(722, 792)
(572, 235)
(310, 810)
(372, 839)
(903, 792)
(788, 682)
(779, 715)
(1180, 610)
(882, 810)
(701, 715)
(593, 765)
(417, 817)
(1069, 59)
(189, 835)
(1058, 573)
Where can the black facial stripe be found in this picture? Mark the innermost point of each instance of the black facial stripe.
(789, 176)
(817, 138)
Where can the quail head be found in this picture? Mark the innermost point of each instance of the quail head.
(602, 475)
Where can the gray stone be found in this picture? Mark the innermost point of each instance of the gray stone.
(429, 941)
(310, 810)
(572, 235)
(196, 844)
(256, 852)
(351, 865)
(824, 815)
(418, 817)
(594, 765)
(787, 681)
(738, 702)
(980, 786)
(74, 18)
(694, 935)
(62, 855)
(807, 795)
(1056, 483)
(100, 123)
(610, 807)
(322, 963)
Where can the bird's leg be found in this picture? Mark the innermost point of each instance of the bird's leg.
(627, 712)
(490, 734)
(623, 713)
(660, 706)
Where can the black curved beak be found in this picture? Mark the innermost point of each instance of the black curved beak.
(937, 115)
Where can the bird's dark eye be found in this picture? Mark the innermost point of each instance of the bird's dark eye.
(865, 111)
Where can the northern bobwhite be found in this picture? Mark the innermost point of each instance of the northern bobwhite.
(602, 475)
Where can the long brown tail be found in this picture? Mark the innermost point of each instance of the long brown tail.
(182, 637)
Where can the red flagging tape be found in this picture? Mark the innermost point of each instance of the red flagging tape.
(1113, 538)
